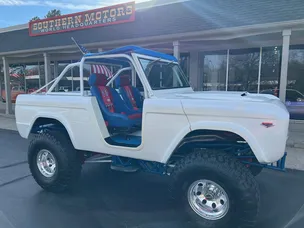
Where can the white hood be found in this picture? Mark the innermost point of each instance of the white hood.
(222, 103)
(214, 95)
(228, 96)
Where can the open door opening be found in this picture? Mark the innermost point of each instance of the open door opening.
(113, 83)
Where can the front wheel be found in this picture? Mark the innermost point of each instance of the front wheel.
(54, 163)
(216, 190)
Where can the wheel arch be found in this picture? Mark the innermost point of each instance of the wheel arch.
(54, 123)
(201, 131)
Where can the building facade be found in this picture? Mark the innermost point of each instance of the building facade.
(226, 45)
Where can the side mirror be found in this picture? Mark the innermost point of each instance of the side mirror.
(299, 99)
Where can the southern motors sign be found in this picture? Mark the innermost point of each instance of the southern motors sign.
(116, 14)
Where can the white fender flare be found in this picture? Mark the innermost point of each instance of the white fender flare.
(222, 126)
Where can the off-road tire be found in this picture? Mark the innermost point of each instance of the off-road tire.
(225, 170)
(68, 161)
(255, 170)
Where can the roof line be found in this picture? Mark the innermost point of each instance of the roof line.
(14, 28)
(139, 6)
(149, 4)
(233, 32)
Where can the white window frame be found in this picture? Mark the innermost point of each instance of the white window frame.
(138, 56)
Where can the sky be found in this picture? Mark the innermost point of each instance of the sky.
(14, 12)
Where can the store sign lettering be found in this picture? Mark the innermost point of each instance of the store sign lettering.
(117, 14)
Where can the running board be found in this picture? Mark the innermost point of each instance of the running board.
(99, 158)
(126, 169)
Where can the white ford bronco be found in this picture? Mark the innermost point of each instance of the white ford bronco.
(135, 109)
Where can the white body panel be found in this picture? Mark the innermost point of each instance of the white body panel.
(243, 115)
(82, 118)
(167, 117)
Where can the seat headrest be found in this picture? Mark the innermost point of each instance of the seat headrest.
(98, 80)
(125, 80)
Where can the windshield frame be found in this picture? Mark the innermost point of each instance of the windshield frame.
(181, 73)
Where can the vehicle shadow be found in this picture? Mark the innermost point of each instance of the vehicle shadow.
(105, 198)
(116, 199)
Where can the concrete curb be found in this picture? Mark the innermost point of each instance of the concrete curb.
(295, 145)
(10, 116)
(9, 129)
(296, 121)
(8, 122)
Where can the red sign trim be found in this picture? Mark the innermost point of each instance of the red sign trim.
(130, 19)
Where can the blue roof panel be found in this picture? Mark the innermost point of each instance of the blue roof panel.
(135, 49)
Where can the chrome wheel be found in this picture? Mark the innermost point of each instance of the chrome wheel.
(208, 199)
(46, 163)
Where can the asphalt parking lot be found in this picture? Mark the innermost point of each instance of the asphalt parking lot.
(108, 199)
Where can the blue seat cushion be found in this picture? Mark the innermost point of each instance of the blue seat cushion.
(114, 110)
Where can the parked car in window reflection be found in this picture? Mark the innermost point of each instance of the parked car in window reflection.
(294, 102)
(15, 91)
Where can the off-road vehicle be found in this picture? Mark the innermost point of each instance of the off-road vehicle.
(140, 113)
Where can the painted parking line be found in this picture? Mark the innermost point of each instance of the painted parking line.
(5, 222)
(13, 164)
(299, 216)
(14, 180)
(13, 172)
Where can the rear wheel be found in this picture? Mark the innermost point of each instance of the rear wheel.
(53, 161)
(216, 190)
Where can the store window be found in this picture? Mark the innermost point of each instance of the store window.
(62, 65)
(1, 79)
(70, 82)
(244, 70)
(17, 78)
(214, 70)
(243, 74)
(295, 82)
(41, 74)
(270, 69)
(184, 63)
(66, 83)
(32, 76)
(296, 69)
